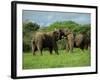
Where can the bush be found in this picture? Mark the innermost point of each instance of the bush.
(28, 30)
(61, 44)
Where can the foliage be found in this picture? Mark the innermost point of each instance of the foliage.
(73, 26)
(61, 44)
(28, 30)
(59, 25)
(82, 29)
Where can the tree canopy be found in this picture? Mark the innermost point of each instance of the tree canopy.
(28, 30)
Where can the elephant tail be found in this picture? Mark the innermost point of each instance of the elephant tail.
(33, 45)
(33, 42)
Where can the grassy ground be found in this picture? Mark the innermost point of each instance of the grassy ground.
(76, 59)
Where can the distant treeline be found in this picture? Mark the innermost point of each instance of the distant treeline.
(30, 28)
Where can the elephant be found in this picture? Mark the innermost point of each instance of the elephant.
(82, 41)
(45, 40)
(69, 36)
(70, 42)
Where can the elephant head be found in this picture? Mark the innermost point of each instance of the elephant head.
(46, 40)
(69, 36)
(63, 33)
(56, 35)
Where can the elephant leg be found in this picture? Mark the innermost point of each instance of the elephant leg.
(71, 47)
(50, 49)
(56, 49)
(87, 46)
(67, 47)
(33, 49)
(39, 47)
(40, 50)
(82, 47)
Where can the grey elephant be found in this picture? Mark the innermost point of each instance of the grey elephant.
(45, 40)
(69, 36)
(82, 41)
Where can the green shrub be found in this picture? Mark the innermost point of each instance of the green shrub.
(28, 30)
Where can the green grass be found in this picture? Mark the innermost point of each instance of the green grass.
(76, 59)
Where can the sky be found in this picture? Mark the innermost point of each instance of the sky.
(45, 18)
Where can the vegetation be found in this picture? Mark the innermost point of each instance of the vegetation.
(30, 28)
(64, 59)
(76, 59)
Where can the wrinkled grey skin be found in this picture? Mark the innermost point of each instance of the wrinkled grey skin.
(82, 41)
(45, 40)
(69, 36)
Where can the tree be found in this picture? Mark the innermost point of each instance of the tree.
(28, 30)
(30, 27)
(61, 24)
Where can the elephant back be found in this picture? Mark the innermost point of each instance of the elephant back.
(39, 36)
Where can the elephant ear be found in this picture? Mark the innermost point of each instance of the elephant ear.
(62, 33)
(56, 35)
